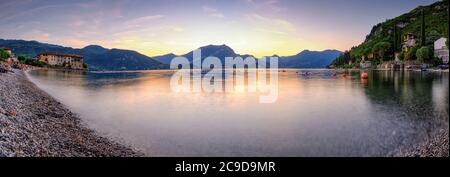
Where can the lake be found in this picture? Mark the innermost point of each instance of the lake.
(315, 114)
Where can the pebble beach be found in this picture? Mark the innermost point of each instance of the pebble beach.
(33, 124)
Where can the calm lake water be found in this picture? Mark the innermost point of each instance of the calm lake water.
(315, 115)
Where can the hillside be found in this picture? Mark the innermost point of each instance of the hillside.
(392, 31)
(309, 59)
(97, 57)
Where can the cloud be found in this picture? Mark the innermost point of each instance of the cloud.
(272, 22)
(208, 9)
(266, 5)
(271, 31)
(212, 12)
(37, 35)
(137, 22)
(217, 15)
(178, 29)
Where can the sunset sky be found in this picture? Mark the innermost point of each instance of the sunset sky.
(257, 27)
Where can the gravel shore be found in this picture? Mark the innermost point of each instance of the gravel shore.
(436, 146)
(32, 123)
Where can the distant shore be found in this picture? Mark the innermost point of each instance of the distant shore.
(33, 124)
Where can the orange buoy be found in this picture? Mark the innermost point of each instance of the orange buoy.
(364, 75)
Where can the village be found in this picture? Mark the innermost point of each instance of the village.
(402, 59)
(53, 60)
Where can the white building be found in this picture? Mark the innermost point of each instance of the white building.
(441, 50)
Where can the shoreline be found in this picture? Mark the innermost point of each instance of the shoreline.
(34, 124)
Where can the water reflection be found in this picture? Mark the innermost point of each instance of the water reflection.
(317, 115)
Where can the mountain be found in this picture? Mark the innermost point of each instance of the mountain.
(165, 59)
(94, 49)
(118, 59)
(100, 58)
(309, 59)
(97, 57)
(392, 31)
(219, 51)
(305, 59)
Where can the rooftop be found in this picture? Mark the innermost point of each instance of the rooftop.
(61, 54)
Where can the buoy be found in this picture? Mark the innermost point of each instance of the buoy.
(364, 75)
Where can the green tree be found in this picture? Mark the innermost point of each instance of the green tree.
(22, 58)
(401, 56)
(423, 37)
(432, 36)
(423, 54)
(381, 48)
(448, 22)
(411, 54)
(25, 60)
(4, 55)
(395, 40)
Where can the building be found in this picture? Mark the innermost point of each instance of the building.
(366, 65)
(408, 41)
(64, 60)
(441, 50)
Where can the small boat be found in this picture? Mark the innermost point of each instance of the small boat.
(423, 68)
(306, 73)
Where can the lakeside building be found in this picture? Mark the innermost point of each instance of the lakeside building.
(441, 50)
(365, 65)
(408, 41)
(64, 60)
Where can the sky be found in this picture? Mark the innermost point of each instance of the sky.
(157, 27)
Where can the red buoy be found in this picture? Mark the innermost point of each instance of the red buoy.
(364, 75)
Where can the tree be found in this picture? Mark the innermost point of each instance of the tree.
(395, 40)
(432, 37)
(3, 55)
(381, 48)
(401, 56)
(411, 54)
(22, 58)
(423, 54)
(423, 37)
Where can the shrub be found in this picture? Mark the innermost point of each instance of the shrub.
(3, 55)
(423, 54)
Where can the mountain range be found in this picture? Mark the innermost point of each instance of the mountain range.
(100, 58)
(304, 59)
